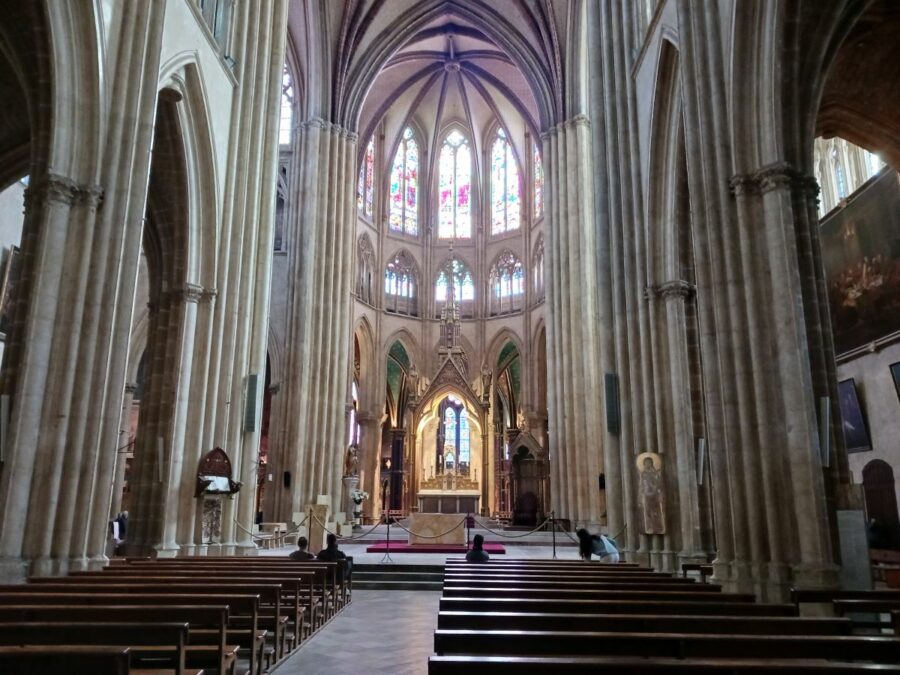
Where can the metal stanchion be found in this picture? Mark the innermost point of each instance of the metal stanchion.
(553, 530)
(467, 530)
(387, 554)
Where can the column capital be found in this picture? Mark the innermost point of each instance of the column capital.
(774, 176)
(675, 289)
(209, 295)
(62, 190)
(188, 293)
(130, 387)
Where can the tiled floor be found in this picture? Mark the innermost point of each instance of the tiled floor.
(379, 633)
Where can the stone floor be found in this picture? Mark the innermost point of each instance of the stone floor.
(379, 633)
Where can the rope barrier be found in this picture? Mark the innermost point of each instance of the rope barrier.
(359, 536)
(266, 537)
(429, 536)
(510, 536)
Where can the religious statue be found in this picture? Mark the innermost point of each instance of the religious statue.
(351, 463)
(650, 488)
(486, 376)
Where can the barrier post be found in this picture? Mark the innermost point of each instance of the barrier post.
(467, 531)
(387, 554)
(553, 531)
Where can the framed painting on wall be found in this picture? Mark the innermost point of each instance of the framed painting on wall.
(895, 373)
(853, 420)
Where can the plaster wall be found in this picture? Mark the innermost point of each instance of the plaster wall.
(881, 404)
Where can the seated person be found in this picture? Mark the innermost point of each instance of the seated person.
(477, 554)
(301, 553)
(331, 553)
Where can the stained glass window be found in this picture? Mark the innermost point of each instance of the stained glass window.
(455, 188)
(400, 281)
(464, 287)
(404, 186)
(505, 203)
(365, 190)
(286, 127)
(464, 445)
(507, 284)
(537, 265)
(538, 182)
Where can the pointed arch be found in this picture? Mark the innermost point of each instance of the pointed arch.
(402, 282)
(505, 182)
(403, 193)
(507, 284)
(455, 170)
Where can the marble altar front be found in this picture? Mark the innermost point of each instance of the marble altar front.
(425, 528)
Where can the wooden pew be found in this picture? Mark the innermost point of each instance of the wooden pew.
(146, 640)
(649, 606)
(666, 645)
(591, 572)
(224, 655)
(64, 660)
(652, 623)
(325, 583)
(595, 593)
(297, 592)
(267, 593)
(579, 584)
(704, 569)
(582, 665)
(214, 618)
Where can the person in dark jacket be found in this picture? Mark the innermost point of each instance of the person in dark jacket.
(301, 553)
(477, 554)
(331, 553)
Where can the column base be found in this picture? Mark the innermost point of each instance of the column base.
(771, 581)
(13, 570)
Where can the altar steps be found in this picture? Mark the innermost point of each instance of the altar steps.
(394, 577)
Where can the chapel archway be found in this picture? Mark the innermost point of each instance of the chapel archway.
(880, 491)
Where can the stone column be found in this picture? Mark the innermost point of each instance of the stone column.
(675, 294)
(576, 430)
(370, 451)
(319, 304)
(125, 446)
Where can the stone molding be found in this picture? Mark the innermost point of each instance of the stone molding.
(668, 290)
(323, 125)
(189, 293)
(571, 123)
(130, 387)
(775, 176)
(209, 295)
(62, 190)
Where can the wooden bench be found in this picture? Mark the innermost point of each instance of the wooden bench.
(705, 570)
(582, 665)
(325, 581)
(579, 584)
(268, 612)
(157, 642)
(297, 592)
(64, 660)
(667, 645)
(649, 606)
(211, 618)
(222, 656)
(595, 593)
(652, 623)
(544, 576)
(885, 562)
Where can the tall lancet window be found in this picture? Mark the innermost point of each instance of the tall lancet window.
(286, 126)
(404, 186)
(507, 284)
(505, 202)
(454, 437)
(401, 284)
(463, 288)
(455, 188)
(538, 182)
(365, 190)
